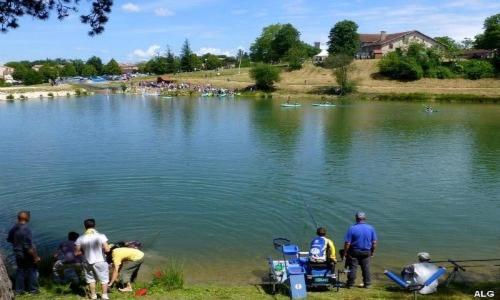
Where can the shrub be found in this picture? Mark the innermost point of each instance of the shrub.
(3, 83)
(409, 70)
(78, 92)
(265, 76)
(10, 97)
(477, 69)
(443, 73)
(23, 97)
(50, 95)
(172, 278)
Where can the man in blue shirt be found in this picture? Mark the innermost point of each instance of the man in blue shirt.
(26, 256)
(360, 242)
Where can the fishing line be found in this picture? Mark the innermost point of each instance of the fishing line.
(309, 212)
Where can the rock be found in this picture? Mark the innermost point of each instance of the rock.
(5, 283)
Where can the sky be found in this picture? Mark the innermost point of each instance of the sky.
(139, 29)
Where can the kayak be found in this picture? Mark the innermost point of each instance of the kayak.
(291, 105)
(324, 104)
(206, 94)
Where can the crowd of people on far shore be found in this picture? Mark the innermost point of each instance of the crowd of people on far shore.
(161, 87)
(89, 254)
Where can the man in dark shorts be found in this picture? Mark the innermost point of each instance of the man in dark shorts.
(67, 266)
(21, 238)
(359, 247)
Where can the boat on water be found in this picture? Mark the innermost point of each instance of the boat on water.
(167, 97)
(291, 105)
(221, 95)
(324, 104)
(206, 94)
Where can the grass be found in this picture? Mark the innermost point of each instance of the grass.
(201, 292)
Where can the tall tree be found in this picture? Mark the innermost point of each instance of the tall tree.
(12, 10)
(97, 64)
(68, 70)
(112, 68)
(172, 66)
(285, 39)
(187, 63)
(89, 71)
(490, 38)
(261, 50)
(344, 38)
(451, 48)
(78, 64)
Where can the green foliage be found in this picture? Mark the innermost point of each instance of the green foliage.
(261, 50)
(123, 87)
(285, 39)
(443, 72)
(344, 38)
(49, 72)
(397, 66)
(78, 64)
(112, 68)
(3, 83)
(265, 76)
(173, 64)
(97, 64)
(89, 71)
(51, 95)
(172, 278)
(211, 61)
(477, 69)
(187, 58)
(450, 48)
(69, 70)
(490, 38)
(10, 97)
(27, 75)
(296, 57)
(342, 67)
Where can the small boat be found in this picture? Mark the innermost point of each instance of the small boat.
(290, 105)
(324, 104)
(167, 97)
(206, 94)
(222, 95)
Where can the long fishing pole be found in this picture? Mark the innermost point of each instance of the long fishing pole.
(466, 260)
(310, 213)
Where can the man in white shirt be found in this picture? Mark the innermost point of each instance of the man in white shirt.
(92, 245)
(418, 273)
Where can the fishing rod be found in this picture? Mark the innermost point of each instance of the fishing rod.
(310, 212)
(465, 260)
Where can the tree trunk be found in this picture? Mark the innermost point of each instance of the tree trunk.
(5, 283)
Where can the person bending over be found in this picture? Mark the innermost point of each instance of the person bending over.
(67, 265)
(126, 264)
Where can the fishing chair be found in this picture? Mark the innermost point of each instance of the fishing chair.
(415, 287)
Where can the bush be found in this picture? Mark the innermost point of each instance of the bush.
(172, 278)
(400, 67)
(265, 76)
(477, 69)
(50, 95)
(443, 73)
(3, 83)
(10, 97)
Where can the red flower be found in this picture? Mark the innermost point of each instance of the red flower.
(141, 292)
(158, 274)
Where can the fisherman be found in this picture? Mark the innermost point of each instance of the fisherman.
(92, 244)
(67, 265)
(359, 247)
(322, 249)
(127, 261)
(21, 238)
(418, 273)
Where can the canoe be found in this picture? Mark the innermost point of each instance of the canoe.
(290, 105)
(324, 104)
(206, 94)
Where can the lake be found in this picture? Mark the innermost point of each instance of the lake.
(210, 182)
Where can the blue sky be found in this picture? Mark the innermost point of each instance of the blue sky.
(137, 29)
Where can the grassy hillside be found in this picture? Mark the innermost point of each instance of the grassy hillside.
(311, 78)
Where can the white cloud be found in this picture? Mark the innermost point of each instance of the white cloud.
(163, 12)
(215, 51)
(131, 7)
(145, 54)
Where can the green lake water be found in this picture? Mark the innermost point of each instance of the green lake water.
(210, 182)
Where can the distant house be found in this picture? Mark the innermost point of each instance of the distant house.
(376, 45)
(129, 68)
(477, 53)
(6, 71)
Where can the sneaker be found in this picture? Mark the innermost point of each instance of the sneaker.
(105, 297)
(93, 297)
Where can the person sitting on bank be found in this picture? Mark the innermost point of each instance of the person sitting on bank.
(418, 273)
(322, 249)
(67, 266)
(126, 264)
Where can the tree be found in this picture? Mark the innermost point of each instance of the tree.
(261, 50)
(49, 72)
(490, 38)
(78, 64)
(89, 71)
(344, 38)
(342, 67)
(27, 75)
(172, 63)
(466, 43)
(12, 10)
(265, 76)
(296, 56)
(112, 68)
(97, 64)
(68, 70)
(187, 63)
(285, 39)
(157, 65)
(451, 49)
(211, 61)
